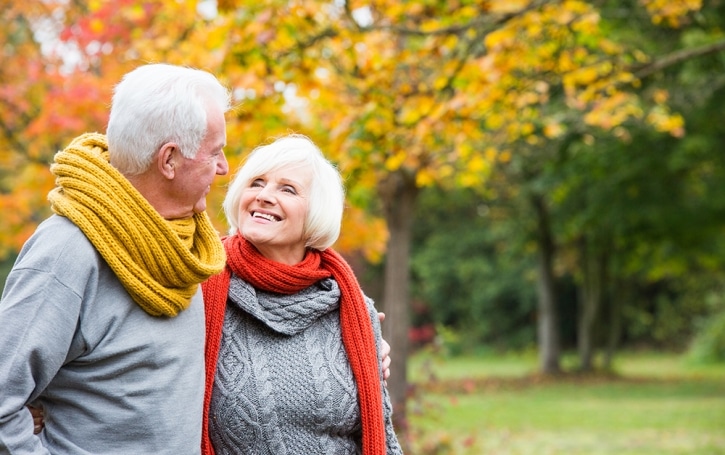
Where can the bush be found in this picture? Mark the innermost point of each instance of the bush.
(709, 344)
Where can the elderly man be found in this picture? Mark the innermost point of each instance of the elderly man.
(102, 315)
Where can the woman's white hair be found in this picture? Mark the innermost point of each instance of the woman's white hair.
(159, 103)
(327, 192)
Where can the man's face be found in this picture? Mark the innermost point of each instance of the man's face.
(195, 175)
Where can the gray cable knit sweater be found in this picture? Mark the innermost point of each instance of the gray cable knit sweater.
(283, 383)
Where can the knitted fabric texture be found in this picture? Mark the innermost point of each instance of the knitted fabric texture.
(160, 263)
(244, 260)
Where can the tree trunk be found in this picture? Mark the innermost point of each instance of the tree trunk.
(615, 324)
(548, 318)
(591, 297)
(398, 193)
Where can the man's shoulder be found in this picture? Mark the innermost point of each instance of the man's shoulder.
(58, 231)
(58, 243)
(59, 224)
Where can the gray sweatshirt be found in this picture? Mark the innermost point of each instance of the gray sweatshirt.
(112, 379)
(283, 383)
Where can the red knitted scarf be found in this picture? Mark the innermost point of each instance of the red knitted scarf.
(357, 334)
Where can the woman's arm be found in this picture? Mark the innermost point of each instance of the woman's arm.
(391, 439)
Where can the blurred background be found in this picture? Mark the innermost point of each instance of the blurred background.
(536, 189)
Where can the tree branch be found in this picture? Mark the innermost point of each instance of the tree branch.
(675, 58)
(489, 22)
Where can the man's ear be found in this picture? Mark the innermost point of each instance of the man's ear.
(166, 159)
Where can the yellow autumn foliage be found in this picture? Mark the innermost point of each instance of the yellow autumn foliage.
(671, 12)
(441, 89)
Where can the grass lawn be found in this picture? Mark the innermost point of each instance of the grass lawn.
(655, 404)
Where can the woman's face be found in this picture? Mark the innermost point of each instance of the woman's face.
(272, 213)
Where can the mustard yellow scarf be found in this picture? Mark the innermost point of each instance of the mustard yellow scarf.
(159, 262)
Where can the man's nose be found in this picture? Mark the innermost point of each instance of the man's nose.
(222, 165)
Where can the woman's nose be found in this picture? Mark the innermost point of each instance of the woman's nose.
(265, 194)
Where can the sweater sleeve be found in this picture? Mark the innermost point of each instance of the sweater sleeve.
(38, 316)
(391, 439)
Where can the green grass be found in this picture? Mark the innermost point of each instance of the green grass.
(655, 404)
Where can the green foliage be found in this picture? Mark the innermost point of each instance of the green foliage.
(667, 313)
(5, 266)
(469, 274)
(709, 345)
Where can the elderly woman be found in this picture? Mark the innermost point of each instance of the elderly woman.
(293, 344)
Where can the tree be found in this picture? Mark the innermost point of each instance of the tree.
(603, 243)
